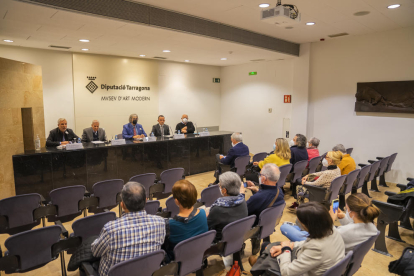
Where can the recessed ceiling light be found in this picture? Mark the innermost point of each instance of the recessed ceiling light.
(8, 40)
(264, 5)
(142, 55)
(84, 40)
(310, 23)
(166, 51)
(85, 49)
(223, 58)
(394, 6)
(187, 60)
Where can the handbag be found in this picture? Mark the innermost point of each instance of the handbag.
(405, 264)
(312, 177)
(235, 270)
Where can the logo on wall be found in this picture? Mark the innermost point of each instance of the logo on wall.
(91, 85)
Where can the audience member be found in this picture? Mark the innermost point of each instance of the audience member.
(133, 130)
(281, 155)
(323, 248)
(238, 149)
(265, 196)
(189, 222)
(347, 164)
(322, 179)
(313, 148)
(93, 133)
(145, 233)
(357, 224)
(298, 150)
(227, 209)
(61, 135)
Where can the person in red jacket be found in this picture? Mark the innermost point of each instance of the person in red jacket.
(313, 148)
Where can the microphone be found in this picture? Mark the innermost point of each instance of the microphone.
(171, 132)
(196, 131)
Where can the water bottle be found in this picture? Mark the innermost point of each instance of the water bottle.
(79, 140)
(206, 129)
(116, 137)
(37, 143)
(179, 132)
(152, 134)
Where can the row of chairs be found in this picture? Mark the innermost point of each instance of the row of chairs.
(24, 212)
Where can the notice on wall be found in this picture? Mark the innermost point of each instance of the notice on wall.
(109, 89)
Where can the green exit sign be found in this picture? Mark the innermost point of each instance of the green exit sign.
(252, 73)
(216, 80)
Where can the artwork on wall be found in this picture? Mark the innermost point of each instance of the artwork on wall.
(387, 96)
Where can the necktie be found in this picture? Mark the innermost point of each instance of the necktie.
(63, 138)
(162, 130)
(135, 130)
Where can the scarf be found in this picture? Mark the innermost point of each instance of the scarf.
(228, 201)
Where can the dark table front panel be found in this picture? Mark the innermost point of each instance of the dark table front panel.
(51, 168)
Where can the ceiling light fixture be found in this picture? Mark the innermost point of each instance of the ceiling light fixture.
(142, 55)
(166, 51)
(8, 40)
(187, 60)
(84, 40)
(394, 6)
(223, 58)
(310, 23)
(85, 49)
(264, 5)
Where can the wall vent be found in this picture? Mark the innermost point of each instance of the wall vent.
(60, 47)
(337, 35)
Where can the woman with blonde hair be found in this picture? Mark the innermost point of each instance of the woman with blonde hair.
(281, 155)
(322, 179)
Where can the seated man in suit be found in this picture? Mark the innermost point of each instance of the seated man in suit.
(238, 149)
(133, 130)
(61, 135)
(161, 129)
(185, 126)
(93, 133)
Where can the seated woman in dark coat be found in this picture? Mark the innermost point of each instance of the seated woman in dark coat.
(229, 208)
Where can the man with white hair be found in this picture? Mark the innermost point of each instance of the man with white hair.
(93, 133)
(238, 149)
(61, 135)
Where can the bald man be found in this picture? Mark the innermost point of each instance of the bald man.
(185, 126)
(93, 133)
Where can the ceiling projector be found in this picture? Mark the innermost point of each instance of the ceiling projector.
(282, 15)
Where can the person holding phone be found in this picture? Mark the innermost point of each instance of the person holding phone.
(357, 223)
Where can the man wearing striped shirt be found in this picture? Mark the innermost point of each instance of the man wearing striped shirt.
(132, 235)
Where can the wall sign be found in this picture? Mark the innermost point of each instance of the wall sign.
(216, 80)
(252, 73)
(287, 98)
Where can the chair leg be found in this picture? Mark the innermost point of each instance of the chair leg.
(374, 186)
(380, 245)
(84, 213)
(44, 222)
(62, 263)
(365, 188)
(200, 272)
(393, 232)
(382, 182)
(341, 201)
(237, 257)
(120, 210)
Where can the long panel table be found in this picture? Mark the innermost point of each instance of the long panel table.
(51, 168)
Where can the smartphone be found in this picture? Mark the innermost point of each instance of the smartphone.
(335, 205)
(245, 184)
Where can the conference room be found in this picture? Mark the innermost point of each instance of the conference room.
(206, 137)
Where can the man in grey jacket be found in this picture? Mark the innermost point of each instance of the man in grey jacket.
(93, 133)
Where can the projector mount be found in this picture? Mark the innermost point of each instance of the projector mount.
(294, 10)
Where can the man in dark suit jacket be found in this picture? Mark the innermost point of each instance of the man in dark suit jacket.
(93, 133)
(238, 149)
(161, 128)
(61, 135)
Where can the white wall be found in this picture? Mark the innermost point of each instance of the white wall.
(186, 88)
(335, 68)
(245, 101)
(57, 81)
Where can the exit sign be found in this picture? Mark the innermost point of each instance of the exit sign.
(216, 80)
(252, 73)
(288, 98)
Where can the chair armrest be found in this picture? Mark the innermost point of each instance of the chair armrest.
(402, 187)
(380, 158)
(371, 161)
(44, 211)
(157, 188)
(9, 263)
(88, 202)
(388, 193)
(164, 214)
(312, 187)
(316, 193)
(43, 200)
(66, 244)
(362, 165)
(198, 204)
(65, 232)
(88, 269)
(87, 193)
(118, 198)
(169, 269)
(410, 178)
(272, 272)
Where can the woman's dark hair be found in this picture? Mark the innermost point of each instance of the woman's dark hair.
(316, 218)
(185, 192)
(301, 140)
(362, 206)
